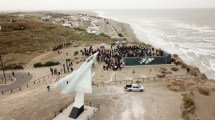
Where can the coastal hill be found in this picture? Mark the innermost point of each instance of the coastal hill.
(23, 38)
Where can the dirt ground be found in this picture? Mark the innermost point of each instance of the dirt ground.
(35, 103)
(155, 103)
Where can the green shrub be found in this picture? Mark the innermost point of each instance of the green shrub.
(13, 66)
(17, 67)
(188, 102)
(51, 63)
(38, 65)
(47, 64)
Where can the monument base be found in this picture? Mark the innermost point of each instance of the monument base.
(88, 112)
(76, 112)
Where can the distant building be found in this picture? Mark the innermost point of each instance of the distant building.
(75, 24)
(59, 20)
(67, 25)
(46, 18)
(74, 18)
(85, 19)
(95, 23)
(94, 30)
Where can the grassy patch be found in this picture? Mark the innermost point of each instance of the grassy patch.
(47, 64)
(32, 35)
(188, 102)
(79, 29)
(13, 66)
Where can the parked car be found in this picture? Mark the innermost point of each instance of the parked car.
(134, 88)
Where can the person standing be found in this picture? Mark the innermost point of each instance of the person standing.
(13, 73)
(51, 70)
(48, 87)
(188, 70)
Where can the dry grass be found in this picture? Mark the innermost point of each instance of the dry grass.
(188, 102)
(37, 37)
(175, 56)
(94, 83)
(176, 85)
(204, 91)
(213, 89)
(138, 81)
(174, 69)
(160, 76)
(203, 76)
(188, 107)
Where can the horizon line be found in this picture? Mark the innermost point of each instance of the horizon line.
(36, 10)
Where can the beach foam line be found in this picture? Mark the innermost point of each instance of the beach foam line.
(193, 27)
(212, 64)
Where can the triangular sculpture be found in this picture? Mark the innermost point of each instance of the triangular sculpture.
(79, 81)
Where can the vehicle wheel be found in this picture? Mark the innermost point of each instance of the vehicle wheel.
(129, 90)
(141, 90)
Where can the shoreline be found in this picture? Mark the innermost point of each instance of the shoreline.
(128, 29)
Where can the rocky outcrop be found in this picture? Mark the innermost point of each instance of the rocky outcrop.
(190, 69)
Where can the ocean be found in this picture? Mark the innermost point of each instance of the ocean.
(190, 33)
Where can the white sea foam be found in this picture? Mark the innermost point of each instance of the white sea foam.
(212, 64)
(209, 40)
(194, 27)
(172, 44)
(185, 53)
(204, 65)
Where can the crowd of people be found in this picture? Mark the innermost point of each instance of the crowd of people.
(137, 51)
(113, 57)
(58, 47)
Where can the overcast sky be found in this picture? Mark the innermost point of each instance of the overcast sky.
(102, 4)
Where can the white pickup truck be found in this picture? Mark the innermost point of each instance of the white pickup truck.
(134, 88)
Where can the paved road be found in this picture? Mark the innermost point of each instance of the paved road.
(21, 79)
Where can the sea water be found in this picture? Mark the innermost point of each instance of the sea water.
(190, 33)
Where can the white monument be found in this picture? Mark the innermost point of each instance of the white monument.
(79, 81)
